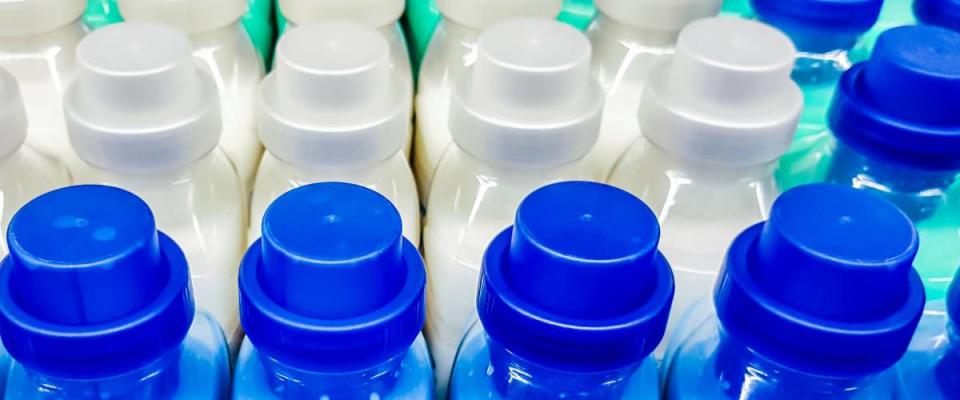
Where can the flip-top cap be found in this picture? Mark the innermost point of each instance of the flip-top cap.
(191, 16)
(577, 282)
(826, 285)
(91, 288)
(945, 13)
(483, 13)
(371, 13)
(32, 17)
(138, 102)
(726, 96)
(820, 25)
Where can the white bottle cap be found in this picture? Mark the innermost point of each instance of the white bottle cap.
(726, 96)
(31, 17)
(529, 98)
(138, 102)
(191, 16)
(372, 13)
(330, 99)
(13, 116)
(658, 15)
(483, 13)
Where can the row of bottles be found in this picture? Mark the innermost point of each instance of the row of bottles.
(821, 301)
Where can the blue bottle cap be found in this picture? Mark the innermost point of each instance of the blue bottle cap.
(953, 300)
(332, 285)
(577, 282)
(901, 105)
(826, 285)
(818, 26)
(90, 288)
(945, 13)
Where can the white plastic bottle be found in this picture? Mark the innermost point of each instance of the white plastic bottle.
(382, 15)
(222, 45)
(38, 41)
(715, 119)
(452, 49)
(330, 111)
(521, 117)
(629, 37)
(24, 172)
(144, 117)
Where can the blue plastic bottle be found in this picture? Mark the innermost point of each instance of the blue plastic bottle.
(931, 368)
(572, 300)
(945, 13)
(816, 303)
(95, 303)
(897, 125)
(826, 34)
(332, 299)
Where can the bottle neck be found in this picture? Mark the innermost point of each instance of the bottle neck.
(820, 68)
(294, 382)
(741, 370)
(919, 192)
(216, 38)
(946, 369)
(644, 40)
(693, 171)
(516, 378)
(157, 379)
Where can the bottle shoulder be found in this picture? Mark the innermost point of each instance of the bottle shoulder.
(932, 351)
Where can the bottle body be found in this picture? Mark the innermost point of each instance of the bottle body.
(622, 59)
(25, 174)
(807, 159)
(452, 49)
(253, 380)
(198, 369)
(229, 55)
(197, 206)
(930, 197)
(391, 177)
(928, 370)
(708, 363)
(700, 209)
(44, 65)
(475, 376)
(474, 202)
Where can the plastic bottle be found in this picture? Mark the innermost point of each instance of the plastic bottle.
(143, 116)
(523, 116)
(715, 119)
(38, 40)
(944, 13)
(331, 111)
(826, 33)
(97, 304)
(819, 302)
(898, 135)
(332, 300)
(929, 369)
(221, 44)
(573, 299)
(24, 172)
(453, 49)
(629, 37)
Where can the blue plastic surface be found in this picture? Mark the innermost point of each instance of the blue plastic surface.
(945, 13)
(332, 299)
(930, 368)
(96, 303)
(818, 302)
(819, 26)
(573, 298)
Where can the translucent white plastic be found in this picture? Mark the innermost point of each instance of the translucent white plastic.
(222, 45)
(715, 119)
(382, 15)
(145, 118)
(38, 41)
(521, 117)
(629, 37)
(452, 49)
(331, 111)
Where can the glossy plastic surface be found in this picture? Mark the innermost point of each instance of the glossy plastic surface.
(199, 369)
(928, 371)
(945, 13)
(475, 377)
(25, 174)
(475, 201)
(253, 381)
